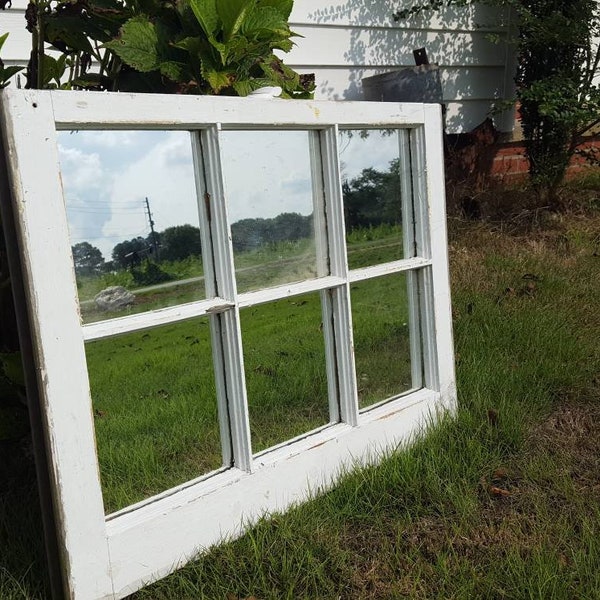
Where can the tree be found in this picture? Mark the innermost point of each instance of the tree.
(373, 198)
(558, 61)
(290, 227)
(129, 253)
(179, 242)
(87, 258)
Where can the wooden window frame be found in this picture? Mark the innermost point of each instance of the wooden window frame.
(112, 556)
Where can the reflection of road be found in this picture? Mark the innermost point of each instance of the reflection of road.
(280, 262)
(158, 286)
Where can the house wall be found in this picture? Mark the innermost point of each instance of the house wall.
(346, 40)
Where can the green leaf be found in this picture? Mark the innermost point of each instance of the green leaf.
(246, 86)
(6, 73)
(266, 22)
(172, 70)
(137, 44)
(69, 31)
(206, 14)
(13, 367)
(233, 13)
(3, 39)
(217, 79)
(53, 69)
(282, 6)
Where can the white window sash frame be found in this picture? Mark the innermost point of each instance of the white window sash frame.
(112, 556)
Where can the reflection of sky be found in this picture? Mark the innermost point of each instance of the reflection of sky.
(266, 173)
(108, 174)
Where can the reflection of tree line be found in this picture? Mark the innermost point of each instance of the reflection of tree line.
(371, 199)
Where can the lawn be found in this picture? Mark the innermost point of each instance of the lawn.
(501, 502)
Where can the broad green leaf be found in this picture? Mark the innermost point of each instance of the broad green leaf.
(137, 44)
(172, 70)
(283, 45)
(13, 367)
(205, 12)
(6, 73)
(233, 13)
(246, 86)
(217, 79)
(191, 44)
(283, 6)
(69, 31)
(52, 69)
(3, 39)
(238, 52)
(266, 22)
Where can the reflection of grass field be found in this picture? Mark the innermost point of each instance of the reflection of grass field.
(381, 338)
(154, 393)
(284, 358)
(155, 410)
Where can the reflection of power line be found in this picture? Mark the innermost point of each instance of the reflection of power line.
(107, 211)
(116, 236)
(132, 203)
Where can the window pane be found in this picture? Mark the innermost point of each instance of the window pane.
(155, 410)
(381, 338)
(371, 186)
(133, 219)
(286, 376)
(268, 186)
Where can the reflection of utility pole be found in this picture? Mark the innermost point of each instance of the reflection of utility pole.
(154, 240)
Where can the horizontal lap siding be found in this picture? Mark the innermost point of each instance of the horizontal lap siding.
(344, 42)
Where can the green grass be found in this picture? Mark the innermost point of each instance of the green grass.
(492, 504)
(154, 395)
(500, 502)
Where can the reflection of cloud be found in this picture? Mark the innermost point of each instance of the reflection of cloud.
(299, 185)
(266, 173)
(108, 174)
(359, 151)
(164, 175)
(108, 139)
(82, 171)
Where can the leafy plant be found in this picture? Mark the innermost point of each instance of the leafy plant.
(6, 72)
(175, 46)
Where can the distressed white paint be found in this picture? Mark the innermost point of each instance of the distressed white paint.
(111, 557)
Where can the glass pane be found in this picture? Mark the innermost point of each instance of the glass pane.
(381, 338)
(268, 187)
(133, 219)
(370, 170)
(155, 410)
(286, 376)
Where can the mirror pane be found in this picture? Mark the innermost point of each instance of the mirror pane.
(133, 220)
(371, 187)
(155, 410)
(380, 317)
(286, 375)
(268, 185)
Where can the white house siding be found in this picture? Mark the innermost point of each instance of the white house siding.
(348, 40)
(344, 41)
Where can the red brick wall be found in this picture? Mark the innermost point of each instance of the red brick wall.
(509, 162)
